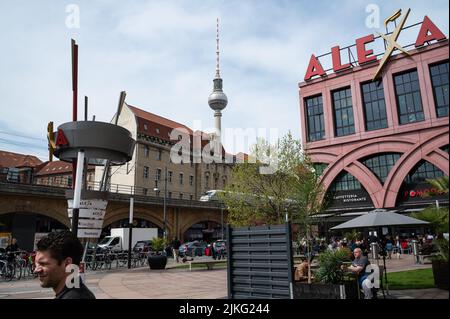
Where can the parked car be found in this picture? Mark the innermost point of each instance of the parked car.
(193, 248)
(142, 246)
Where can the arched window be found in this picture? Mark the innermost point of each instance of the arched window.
(381, 164)
(423, 171)
(345, 182)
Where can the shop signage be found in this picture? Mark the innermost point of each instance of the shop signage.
(353, 198)
(428, 32)
(423, 192)
(90, 217)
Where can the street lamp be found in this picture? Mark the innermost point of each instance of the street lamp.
(156, 189)
(221, 219)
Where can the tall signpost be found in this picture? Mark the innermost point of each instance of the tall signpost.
(130, 232)
(88, 143)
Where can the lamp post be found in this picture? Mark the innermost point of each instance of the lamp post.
(130, 230)
(221, 221)
(156, 189)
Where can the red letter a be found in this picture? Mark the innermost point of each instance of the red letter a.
(435, 33)
(314, 68)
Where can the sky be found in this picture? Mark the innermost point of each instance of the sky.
(162, 53)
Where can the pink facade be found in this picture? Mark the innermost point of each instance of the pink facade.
(416, 141)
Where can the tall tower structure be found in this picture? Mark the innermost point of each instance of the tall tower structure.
(217, 99)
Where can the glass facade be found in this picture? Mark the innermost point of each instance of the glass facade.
(409, 100)
(439, 79)
(423, 171)
(345, 182)
(320, 167)
(343, 112)
(374, 105)
(382, 164)
(314, 114)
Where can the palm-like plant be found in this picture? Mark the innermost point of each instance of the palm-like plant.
(437, 217)
(440, 183)
(330, 262)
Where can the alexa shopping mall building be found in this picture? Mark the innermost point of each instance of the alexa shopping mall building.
(374, 120)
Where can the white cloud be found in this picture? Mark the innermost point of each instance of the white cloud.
(163, 54)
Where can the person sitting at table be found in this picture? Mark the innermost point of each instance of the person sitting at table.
(358, 267)
(301, 273)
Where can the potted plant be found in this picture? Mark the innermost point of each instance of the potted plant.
(330, 281)
(440, 264)
(158, 259)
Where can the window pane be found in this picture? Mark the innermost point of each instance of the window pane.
(343, 112)
(439, 79)
(374, 106)
(409, 102)
(314, 114)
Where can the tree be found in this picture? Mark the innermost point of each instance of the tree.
(258, 194)
(437, 217)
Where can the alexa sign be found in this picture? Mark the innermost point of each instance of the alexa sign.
(428, 32)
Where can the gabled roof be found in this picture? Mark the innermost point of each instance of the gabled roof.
(155, 125)
(16, 160)
(57, 167)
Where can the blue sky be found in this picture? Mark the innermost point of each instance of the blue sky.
(162, 53)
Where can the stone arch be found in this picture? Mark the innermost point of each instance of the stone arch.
(421, 151)
(123, 213)
(197, 220)
(56, 210)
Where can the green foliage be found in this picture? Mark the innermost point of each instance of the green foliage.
(440, 184)
(353, 235)
(330, 263)
(158, 244)
(442, 245)
(437, 217)
(261, 194)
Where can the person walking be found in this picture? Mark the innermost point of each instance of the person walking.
(176, 249)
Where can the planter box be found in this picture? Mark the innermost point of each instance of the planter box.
(157, 261)
(303, 290)
(440, 273)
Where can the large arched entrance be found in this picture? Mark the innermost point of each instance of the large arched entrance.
(27, 228)
(124, 223)
(207, 231)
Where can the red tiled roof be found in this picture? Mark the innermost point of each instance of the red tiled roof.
(57, 167)
(10, 160)
(161, 127)
(156, 125)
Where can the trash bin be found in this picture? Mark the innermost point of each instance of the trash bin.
(374, 248)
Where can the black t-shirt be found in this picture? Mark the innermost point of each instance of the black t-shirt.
(75, 293)
(176, 244)
(12, 247)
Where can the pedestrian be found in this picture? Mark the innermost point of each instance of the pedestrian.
(57, 255)
(13, 247)
(176, 249)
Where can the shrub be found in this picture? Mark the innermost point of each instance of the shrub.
(330, 263)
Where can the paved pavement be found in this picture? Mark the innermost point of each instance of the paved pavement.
(172, 283)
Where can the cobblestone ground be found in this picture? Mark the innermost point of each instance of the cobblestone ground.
(142, 283)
